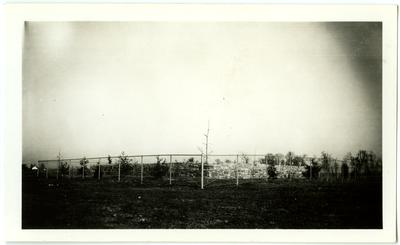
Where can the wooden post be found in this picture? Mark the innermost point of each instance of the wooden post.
(133, 168)
(98, 174)
(141, 170)
(266, 167)
(69, 169)
(202, 172)
(119, 171)
(170, 169)
(237, 170)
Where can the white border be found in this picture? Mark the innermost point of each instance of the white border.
(16, 14)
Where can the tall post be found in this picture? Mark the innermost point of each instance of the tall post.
(266, 167)
(119, 171)
(133, 168)
(170, 169)
(208, 133)
(69, 169)
(237, 170)
(141, 170)
(98, 172)
(202, 172)
(59, 163)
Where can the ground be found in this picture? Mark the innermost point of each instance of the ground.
(285, 204)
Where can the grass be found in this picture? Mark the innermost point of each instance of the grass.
(285, 204)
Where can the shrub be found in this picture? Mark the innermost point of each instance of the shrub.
(271, 170)
(160, 169)
(345, 170)
(125, 164)
(315, 168)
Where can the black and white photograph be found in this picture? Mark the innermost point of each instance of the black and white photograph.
(185, 124)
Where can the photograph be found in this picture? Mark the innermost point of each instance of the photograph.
(214, 125)
(202, 125)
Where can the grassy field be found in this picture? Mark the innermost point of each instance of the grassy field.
(300, 204)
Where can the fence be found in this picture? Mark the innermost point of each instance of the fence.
(199, 169)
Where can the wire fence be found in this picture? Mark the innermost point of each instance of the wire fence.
(174, 169)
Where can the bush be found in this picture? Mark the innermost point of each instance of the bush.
(315, 168)
(271, 170)
(345, 170)
(125, 164)
(160, 169)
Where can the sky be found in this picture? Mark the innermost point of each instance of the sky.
(98, 88)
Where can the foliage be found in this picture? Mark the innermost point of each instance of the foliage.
(298, 161)
(271, 170)
(325, 161)
(125, 164)
(289, 158)
(84, 169)
(245, 158)
(84, 161)
(96, 171)
(64, 168)
(160, 169)
(345, 170)
(312, 169)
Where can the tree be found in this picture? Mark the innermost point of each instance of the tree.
(345, 170)
(350, 162)
(245, 158)
(271, 170)
(160, 169)
(312, 169)
(298, 161)
(125, 164)
(326, 163)
(289, 158)
(98, 173)
(64, 168)
(357, 162)
(83, 162)
(279, 158)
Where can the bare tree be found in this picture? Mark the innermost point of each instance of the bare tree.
(289, 158)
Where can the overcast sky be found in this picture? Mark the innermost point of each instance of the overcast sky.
(99, 88)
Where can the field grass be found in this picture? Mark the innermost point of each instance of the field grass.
(299, 204)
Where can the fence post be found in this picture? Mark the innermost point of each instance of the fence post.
(237, 170)
(202, 171)
(266, 167)
(69, 169)
(141, 169)
(98, 174)
(170, 169)
(119, 171)
(133, 168)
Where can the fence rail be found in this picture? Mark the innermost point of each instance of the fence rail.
(201, 168)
